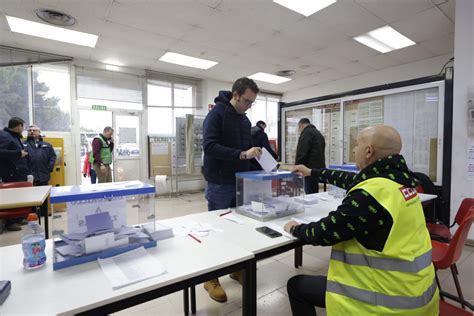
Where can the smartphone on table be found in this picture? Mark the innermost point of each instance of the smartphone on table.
(268, 231)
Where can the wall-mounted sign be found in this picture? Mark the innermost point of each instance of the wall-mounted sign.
(99, 107)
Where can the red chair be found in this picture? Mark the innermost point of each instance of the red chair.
(442, 230)
(445, 255)
(14, 212)
(447, 309)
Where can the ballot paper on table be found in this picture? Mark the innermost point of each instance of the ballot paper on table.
(130, 267)
(266, 161)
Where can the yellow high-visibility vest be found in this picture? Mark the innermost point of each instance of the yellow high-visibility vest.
(400, 279)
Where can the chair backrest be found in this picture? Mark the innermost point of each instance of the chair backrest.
(426, 184)
(465, 206)
(457, 242)
(19, 184)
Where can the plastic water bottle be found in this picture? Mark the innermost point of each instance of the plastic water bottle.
(33, 244)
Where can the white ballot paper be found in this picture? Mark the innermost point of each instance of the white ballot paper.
(266, 161)
(130, 267)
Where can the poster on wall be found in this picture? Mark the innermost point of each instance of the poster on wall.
(470, 161)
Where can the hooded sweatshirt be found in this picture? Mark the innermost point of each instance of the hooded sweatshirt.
(226, 134)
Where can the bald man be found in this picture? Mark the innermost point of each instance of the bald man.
(381, 251)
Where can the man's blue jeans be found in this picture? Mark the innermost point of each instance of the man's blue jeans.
(220, 196)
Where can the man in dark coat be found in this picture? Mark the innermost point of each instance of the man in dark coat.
(260, 138)
(42, 158)
(310, 152)
(14, 162)
(227, 150)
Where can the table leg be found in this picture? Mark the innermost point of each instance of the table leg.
(46, 224)
(186, 301)
(193, 299)
(298, 256)
(249, 289)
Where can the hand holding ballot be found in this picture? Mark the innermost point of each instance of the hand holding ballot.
(303, 170)
(254, 152)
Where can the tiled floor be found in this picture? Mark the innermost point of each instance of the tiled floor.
(272, 274)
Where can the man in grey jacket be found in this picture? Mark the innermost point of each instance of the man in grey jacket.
(310, 152)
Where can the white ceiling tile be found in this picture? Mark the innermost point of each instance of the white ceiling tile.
(424, 25)
(210, 3)
(349, 18)
(410, 54)
(391, 11)
(326, 58)
(47, 3)
(440, 45)
(380, 61)
(448, 8)
(84, 10)
(143, 16)
(352, 50)
(313, 32)
(135, 37)
(354, 68)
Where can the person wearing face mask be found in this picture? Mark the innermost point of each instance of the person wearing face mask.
(227, 149)
(14, 160)
(101, 157)
(42, 159)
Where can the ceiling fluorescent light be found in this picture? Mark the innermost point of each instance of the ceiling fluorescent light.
(262, 76)
(112, 67)
(51, 32)
(384, 39)
(187, 61)
(305, 7)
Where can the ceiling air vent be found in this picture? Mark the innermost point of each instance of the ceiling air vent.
(285, 73)
(55, 17)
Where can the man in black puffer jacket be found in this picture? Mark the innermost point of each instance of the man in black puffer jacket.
(227, 150)
(14, 160)
(310, 152)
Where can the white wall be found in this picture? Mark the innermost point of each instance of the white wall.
(426, 67)
(210, 90)
(462, 186)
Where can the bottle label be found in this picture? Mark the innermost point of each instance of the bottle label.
(34, 254)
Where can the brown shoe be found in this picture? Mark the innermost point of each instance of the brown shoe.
(215, 290)
(13, 227)
(237, 276)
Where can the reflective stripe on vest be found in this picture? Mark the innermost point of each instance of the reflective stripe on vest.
(387, 264)
(375, 298)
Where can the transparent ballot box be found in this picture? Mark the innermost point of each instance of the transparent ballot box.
(100, 220)
(266, 196)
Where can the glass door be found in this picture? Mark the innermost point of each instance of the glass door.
(127, 146)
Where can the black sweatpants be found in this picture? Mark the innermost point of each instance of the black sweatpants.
(305, 292)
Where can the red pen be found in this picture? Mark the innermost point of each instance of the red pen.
(228, 212)
(193, 237)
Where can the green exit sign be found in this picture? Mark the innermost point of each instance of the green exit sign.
(99, 107)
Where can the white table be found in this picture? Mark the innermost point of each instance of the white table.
(84, 288)
(25, 197)
(247, 237)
